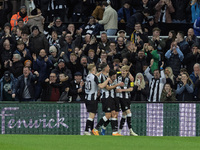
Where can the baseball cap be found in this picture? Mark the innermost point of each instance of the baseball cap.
(78, 74)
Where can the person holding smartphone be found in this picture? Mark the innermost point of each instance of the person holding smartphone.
(140, 90)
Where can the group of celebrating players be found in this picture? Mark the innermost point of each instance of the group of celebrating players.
(115, 88)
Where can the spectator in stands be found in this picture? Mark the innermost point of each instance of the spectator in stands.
(164, 8)
(168, 94)
(138, 32)
(50, 88)
(125, 12)
(21, 14)
(155, 58)
(7, 83)
(98, 12)
(109, 19)
(89, 26)
(174, 58)
(191, 58)
(196, 27)
(38, 41)
(22, 51)
(6, 53)
(7, 34)
(170, 77)
(60, 8)
(77, 10)
(18, 33)
(194, 77)
(43, 65)
(139, 59)
(123, 34)
(156, 83)
(57, 26)
(53, 39)
(197, 86)
(139, 17)
(77, 88)
(157, 42)
(36, 19)
(185, 88)
(83, 68)
(171, 38)
(147, 4)
(4, 11)
(191, 38)
(140, 90)
(54, 55)
(120, 45)
(128, 50)
(180, 14)
(92, 57)
(105, 42)
(25, 38)
(15, 66)
(195, 10)
(74, 64)
(182, 43)
(61, 68)
(24, 87)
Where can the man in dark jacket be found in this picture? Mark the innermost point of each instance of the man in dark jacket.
(38, 41)
(16, 66)
(24, 88)
(6, 86)
(77, 88)
(61, 68)
(139, 17)
(57, 26)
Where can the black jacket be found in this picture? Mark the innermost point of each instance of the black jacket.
(142, 95)
(20, 85)
(74, 86)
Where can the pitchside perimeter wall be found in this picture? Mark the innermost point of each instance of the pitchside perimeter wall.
(148, 119)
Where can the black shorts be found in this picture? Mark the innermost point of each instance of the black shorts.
(125, 104)
(108, 104)
(117, 108)
(91, 106)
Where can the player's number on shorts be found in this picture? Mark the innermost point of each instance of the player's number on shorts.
(88, 85)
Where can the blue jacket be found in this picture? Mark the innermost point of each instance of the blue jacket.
(196, 27)
(1, 85)
(194, 79)
(195, 11)
(42, 67)
(124, 13)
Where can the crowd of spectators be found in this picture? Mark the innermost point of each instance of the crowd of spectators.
(41, 63)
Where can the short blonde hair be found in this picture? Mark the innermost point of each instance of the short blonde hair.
(91, 66)
(125, 67)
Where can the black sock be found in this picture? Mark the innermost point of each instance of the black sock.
(88, 124)
(114, 124)
(123, 119)
(129, 122)
(101, 122)
(106, 123)
(92, 125)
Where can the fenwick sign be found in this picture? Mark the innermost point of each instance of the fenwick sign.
(40, 122)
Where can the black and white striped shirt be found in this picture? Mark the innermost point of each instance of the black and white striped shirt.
(91, 87)
(155, 86)
(127, 84)
(104, 91)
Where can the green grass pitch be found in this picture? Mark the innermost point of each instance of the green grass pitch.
(78, 142)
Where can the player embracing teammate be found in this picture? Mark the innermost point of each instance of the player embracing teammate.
(109, 83)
